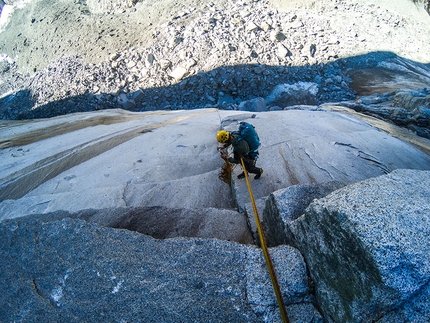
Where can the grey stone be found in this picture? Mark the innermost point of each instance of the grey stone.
(414, 310)
(411, 100)
(83, 272)
(209, 39)
(254, 105)
(138, 95)
(165, 64)
(286, 205)
(367, 247)
(131, 64)
(125, 102)
(293, 282)
(409, 108)
(277, 36)
(114, 56)
(4, 65)
(178, 73)
(150, 58)
(275, 108)
(76, 270)
(251, 26)
(301, 93)
(282, 51)
(225, 98)
(265, 26)
(148, 165)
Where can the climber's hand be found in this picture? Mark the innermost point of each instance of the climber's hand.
(223, 155)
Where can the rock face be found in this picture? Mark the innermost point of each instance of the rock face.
(118, 215)
(283, 207)
(115, 159)
(394, 90)
(426, 4)
(72, 269)
(367, 248)
(74, 187)
(286, 95)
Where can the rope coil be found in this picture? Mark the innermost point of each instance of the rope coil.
(225, 173)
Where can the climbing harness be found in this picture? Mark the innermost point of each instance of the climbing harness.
(269, 263)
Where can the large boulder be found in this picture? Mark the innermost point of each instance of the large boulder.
(368, 250)
(286, 205)
(300, 93)
(254, 105)
(71, 270)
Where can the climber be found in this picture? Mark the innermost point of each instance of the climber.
(245, 144)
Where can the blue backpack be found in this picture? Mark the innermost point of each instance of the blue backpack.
(247, 132)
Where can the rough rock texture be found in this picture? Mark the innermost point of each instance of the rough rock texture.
(286, 205)
(286, 95)
(415, 311)
(426, 4)
(73, 271)
(367, 248)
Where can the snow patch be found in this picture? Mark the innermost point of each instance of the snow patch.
(310, 87)
(5, 14)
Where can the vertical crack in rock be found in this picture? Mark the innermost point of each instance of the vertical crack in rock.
(38, 292)
(36, 288)
(124, 193)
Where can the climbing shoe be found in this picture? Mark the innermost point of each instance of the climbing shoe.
(241, 175)
(259, 174)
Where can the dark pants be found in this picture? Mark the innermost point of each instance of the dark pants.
(250, 166)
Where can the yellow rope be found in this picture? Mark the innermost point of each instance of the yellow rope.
(266, 251)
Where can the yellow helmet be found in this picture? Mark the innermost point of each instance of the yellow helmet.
(222, 136)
